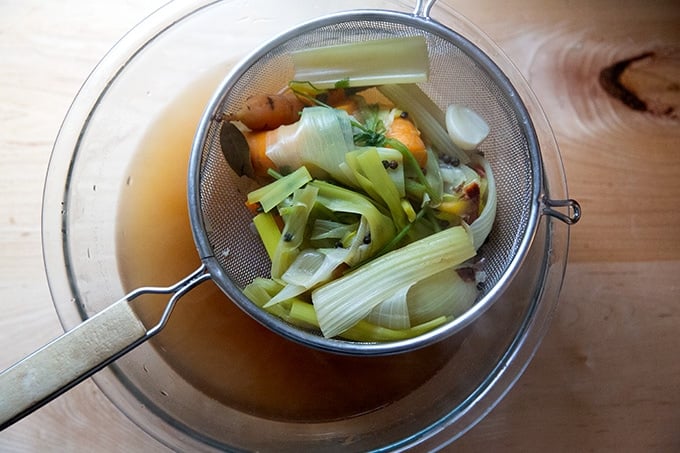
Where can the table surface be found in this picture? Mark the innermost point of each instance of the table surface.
(607, 375)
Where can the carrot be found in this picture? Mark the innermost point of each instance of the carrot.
(349, 105)
(338, 99)
(336, 96)
(257, 142)
(405, 131)
(268, 111)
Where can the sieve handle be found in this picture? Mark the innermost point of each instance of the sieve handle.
(81, 352)
(573, 214)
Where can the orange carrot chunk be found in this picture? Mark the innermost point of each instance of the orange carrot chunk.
(257, 142)
(405, 131)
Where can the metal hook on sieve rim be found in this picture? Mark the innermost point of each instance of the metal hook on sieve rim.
(573, 207)
(423, 8)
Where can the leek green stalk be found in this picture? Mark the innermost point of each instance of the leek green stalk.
(303, 312)
(342, 303)
(272, 194)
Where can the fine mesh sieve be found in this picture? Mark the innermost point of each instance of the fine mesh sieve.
(459, 73)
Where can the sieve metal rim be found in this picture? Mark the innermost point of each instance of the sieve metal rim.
(420, 20)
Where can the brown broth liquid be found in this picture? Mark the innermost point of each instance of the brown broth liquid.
(209, 341)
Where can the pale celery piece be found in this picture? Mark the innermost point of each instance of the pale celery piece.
(364, 63)
(342, 303)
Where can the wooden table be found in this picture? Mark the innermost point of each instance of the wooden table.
(607, 377)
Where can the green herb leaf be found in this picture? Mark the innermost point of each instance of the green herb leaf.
(372, 132)
(344, 83)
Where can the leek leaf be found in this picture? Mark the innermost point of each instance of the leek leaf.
(275, 192)
(481, 227)
(319, 140)
(442, 294)
(303, 312)
(294, 230)
(341, 303)
(374, 170)
(380, 227)
(268, 231)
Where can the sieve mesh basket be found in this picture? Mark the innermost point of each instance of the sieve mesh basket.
(459, 73)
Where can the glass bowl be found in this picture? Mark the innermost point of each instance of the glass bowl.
(115, 218)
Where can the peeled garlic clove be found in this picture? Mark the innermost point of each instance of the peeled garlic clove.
(465, 127)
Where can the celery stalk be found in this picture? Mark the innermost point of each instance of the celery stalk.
(364, 63)
(341, 303)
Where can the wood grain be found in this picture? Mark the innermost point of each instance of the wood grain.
(607, 377)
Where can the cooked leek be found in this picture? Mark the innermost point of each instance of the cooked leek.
(371, 166)
(272, 194)
(364, 63)
(341, 303)
(442, 294)
(393, 312)
(302, 312)
(330, 229)
(310, 268)
(292, 236)
(268, 231)
(319, 140)
(260, 292)
(379, 226)
(481, 227)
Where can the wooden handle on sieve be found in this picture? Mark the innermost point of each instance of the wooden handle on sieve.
(68, 360)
